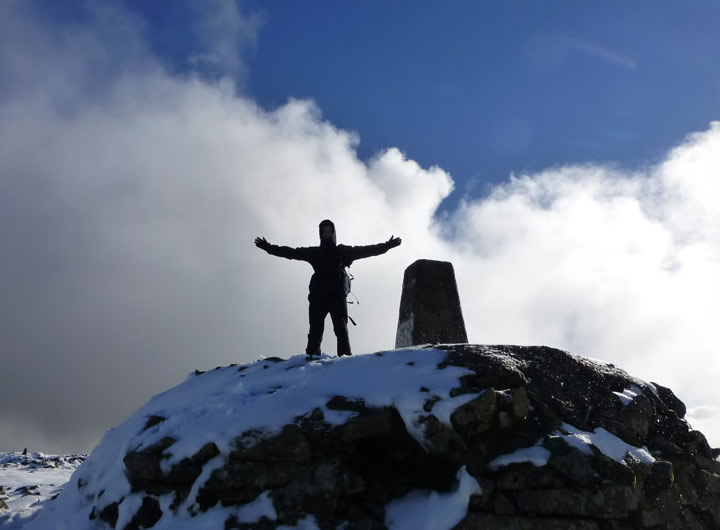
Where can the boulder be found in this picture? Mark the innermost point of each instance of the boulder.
(548, 440)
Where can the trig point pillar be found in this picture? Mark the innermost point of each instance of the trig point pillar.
(430, 306)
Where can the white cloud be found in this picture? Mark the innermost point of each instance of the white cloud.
(226, 34)
(619, 266)
(128, 216)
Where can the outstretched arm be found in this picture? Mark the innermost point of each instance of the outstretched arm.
(366, 251)
(300, 253)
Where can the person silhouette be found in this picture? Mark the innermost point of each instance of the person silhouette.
(329, 284)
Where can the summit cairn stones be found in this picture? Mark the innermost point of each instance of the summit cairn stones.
(542, 444)
(430, 311)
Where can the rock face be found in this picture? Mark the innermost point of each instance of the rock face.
(546, 439)
(430, 311)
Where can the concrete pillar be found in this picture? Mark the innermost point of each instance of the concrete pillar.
(430, 309)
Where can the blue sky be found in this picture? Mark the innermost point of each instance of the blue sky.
(484, 89)
(145, 144)
(481, 89)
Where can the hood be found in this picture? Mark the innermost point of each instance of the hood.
(327, 242)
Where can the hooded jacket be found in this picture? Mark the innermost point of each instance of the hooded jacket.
(328, 260)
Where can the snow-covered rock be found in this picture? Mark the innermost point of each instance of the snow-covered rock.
(28, 480)
(440, 437)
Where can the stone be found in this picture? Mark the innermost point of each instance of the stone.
(666, 448)
(143, 468)
(685, 482)
(520, 402)
(523, 476)
(707, 483)
(27, 490)
(660, 478)
(374, 423)
(430, 311)
(187, 470)
(241, 482)
(146, 517)
(613, 471)
(152, 421)
(512, 405)
(670, 505)
(343, 403)
(483, 501)
(634, 421)
(475, 416)
(699, 444)
(290, 445)
(650, 519)
(503, 504)
(607, 501)
(442, 440)
(574, 467)
(670, 400)
(334, 477)
(109, 514)
(708, 464)
(145, 474)
(489, 521)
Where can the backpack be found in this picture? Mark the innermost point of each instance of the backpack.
(346, 279)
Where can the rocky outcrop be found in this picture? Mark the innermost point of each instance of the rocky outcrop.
(552, 440)
(430, 311)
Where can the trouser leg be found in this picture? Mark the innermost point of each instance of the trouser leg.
(317, 311)
(339, 315)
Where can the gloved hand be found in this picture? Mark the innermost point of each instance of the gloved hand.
(262, 243)
(393, 242)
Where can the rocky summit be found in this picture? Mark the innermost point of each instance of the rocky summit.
(448, 436)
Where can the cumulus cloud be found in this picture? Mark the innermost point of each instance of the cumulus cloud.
(616, 265)
(127, 216)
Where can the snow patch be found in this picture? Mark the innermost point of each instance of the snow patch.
(308, 523)
(536, 455)
(430, 510)
(627, 395)
(442, 410)
(606, 442)
(257, 509)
